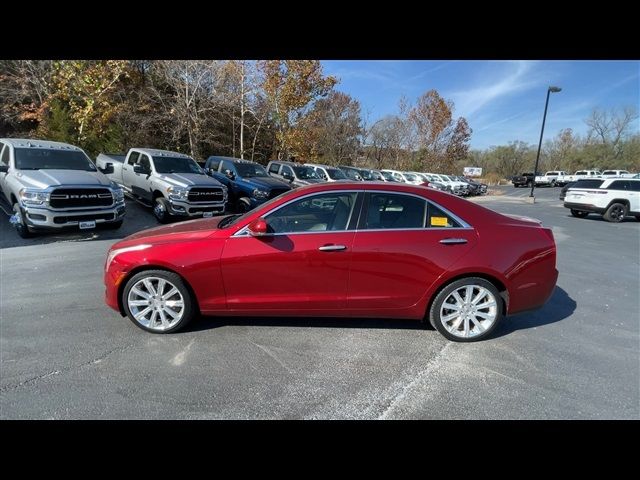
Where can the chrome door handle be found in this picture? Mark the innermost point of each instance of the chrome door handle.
(453, 241)
(332, 248)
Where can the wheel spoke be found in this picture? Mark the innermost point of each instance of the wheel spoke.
(466, 327)
(481, 294)
(174, 303)
(163, 318)
(450, 317)
(149, 286)
(142, 313)
(458, 298)
(170, 293)
(173, 314)
(488, 304)
(451, 306)
(138, 303)
(486, 316)
(140, 293)
(468, 293)
(456, 324)
(161, 283)
(152, 320)
(478, 324)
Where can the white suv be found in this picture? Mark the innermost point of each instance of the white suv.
(613, 198)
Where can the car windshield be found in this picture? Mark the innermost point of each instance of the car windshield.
(306, 173)
(410, 176)
(336, 174)
(37, 158)
(248, 170)
(388, 176)
(176, 165)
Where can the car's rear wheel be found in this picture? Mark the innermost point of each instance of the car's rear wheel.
(158, 301)
(161, 210)
(615, 213)
(466, 310)
(579, 213)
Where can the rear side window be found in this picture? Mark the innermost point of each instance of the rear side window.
(620, 185)
(437, 218)
(587, 184)
(391, 211)
(4, 159)
(635, 186)
(133, 158)
(274, 168)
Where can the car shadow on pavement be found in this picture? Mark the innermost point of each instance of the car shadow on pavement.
(559, 307)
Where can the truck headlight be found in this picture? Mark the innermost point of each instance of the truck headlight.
(33, 197)
(260, 194)
(177, 193)
(118, 195)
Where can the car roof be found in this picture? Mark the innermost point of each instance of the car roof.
(35, 143)
(154, 152)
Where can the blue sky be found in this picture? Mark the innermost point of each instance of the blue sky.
(502, 100)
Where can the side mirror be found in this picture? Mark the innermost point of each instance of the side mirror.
(4, 168)
(258, 228)
(229, 174)
(138, 169)
(108, 168)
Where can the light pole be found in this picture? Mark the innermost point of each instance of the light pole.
(544, 118)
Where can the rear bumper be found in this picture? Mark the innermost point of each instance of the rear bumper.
(584, 207)
(48, 219)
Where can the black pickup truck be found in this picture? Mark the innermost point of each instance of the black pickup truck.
(524, 180)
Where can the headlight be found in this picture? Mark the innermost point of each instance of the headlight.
(112, 253)
(30, 197)
(118, 195)
(261, 194)
(177, 193)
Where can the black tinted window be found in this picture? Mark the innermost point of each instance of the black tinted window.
(317, 213)
(213, 163)
(634, 186)
(145, 163)
(227, 165)
(274, 168)
(133, 158)
(4, 159)
(176, 165)
(390, 210)
(437, 218)
(620, 185)
(587, 184)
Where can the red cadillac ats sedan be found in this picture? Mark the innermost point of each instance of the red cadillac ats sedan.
(339, 249)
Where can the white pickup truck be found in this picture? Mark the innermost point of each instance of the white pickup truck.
(170, 182)
(549, 179)
(53, 185)
(562, 180)
(617, 174)
(613, 198)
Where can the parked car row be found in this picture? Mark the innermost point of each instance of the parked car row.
(560, 178)
(52, 185)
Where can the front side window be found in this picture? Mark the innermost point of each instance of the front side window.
(336, 174)
(273, 168)
(306, 173)
(390, 210)
(145, 163)
(40, 158)
(4, 158)
(316, 213)
(287, 172)
(213, 164)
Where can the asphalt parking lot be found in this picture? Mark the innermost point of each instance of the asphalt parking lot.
(65, 355)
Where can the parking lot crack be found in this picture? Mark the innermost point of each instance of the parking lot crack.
(273, 356)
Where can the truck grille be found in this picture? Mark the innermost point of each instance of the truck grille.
(80, 197)
(277, 191)
(199, 194)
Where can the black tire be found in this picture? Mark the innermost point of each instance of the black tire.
(243, 205)
(515, 185)
(21, 229)
(434, 312)
(113, 225)
(615, 213)
(579, 213)
(161, 210)
(190, 309)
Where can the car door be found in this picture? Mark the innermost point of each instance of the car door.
(402, 245)
(302, 265)
(634, 196)
(227, 177)
(140, 180)
(128, 175)
(4, 160)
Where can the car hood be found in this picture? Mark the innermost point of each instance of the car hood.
(54, 177)
(266, 182)
(189, 180)
(182, 231)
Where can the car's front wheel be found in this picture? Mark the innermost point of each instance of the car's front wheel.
(466, 310)
(19, 222)
(161, 210)
(615, 213)
(158, 301)
(579, 213)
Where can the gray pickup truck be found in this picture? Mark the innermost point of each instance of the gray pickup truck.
(171, 183)
(51, 185)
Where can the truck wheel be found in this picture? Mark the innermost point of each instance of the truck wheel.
(18, 221)
(161, 210)
(579, 213)
(158, 301)
(615, 213)
(515, 185)
(244, 205)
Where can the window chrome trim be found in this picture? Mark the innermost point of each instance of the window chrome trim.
(464, 225)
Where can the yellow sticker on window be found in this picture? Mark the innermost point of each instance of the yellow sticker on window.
(439, 221)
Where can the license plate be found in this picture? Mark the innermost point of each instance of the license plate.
(87, 225)
(207, 214)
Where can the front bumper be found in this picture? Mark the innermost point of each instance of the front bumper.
(47, 218)
(183, 208)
